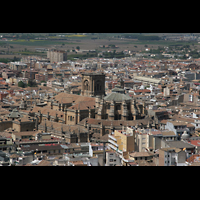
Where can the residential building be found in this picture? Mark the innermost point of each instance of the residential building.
(183, 145)
(56, 55)
(17, 66)
(5, 143)
(112, 159)
(150, 139)
(147, 81)
(138, 156)
(177, 127)
(122, 142)
(41, 77)
(172, 157)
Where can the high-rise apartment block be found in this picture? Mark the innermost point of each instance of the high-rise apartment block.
(56, 55)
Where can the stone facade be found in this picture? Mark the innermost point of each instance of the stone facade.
(93, 84)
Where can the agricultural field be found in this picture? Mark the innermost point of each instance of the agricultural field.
(21, 44)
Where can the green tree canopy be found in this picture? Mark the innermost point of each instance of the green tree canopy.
(21, 84)
(32, 83)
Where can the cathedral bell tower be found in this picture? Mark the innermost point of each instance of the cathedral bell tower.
(93, 84)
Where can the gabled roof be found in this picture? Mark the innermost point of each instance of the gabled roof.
(140, 154)
(83, 105)
(46, 109)
(179, 144)
(69, 98)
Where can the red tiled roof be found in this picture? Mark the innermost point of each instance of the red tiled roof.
(83, 105)
(195, 142)
(144, 90)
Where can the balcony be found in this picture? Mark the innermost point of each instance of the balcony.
(115, 148)
(113, 138)
(115, 144)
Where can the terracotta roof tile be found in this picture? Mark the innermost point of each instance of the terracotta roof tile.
(46, 109)
(114, 122)
(69, 98)
(83, 105)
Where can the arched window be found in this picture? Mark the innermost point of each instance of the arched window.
(86, 85)
(98, 86)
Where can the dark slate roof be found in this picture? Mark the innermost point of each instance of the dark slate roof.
(15, 114)
(114, 96)
(119, 90)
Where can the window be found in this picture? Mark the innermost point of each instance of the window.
(118, 107)
(97, 87)
(86, 85)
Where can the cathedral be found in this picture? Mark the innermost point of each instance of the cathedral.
(116, 105)
(112, 112)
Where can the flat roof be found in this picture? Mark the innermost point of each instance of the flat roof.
(142, 78)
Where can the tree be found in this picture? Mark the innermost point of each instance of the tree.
(32, 83)
(21, 84)
(78, 48)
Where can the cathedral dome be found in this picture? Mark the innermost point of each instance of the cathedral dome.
(114, 96)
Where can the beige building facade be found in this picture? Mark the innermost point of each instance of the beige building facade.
(57, 55)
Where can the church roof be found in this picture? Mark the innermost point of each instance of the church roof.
(119, 90)
(114, 96)
(14, 114)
